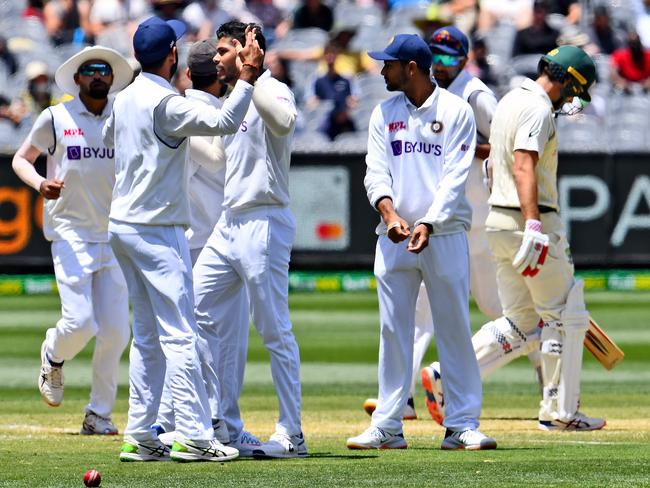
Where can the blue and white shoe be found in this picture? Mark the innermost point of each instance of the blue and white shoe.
(246, 443)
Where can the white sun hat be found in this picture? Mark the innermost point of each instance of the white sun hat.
(122, 71)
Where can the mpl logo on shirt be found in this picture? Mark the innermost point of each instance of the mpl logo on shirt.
(400, 147)
(79, 152)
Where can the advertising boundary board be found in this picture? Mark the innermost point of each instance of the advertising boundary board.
(605, 200)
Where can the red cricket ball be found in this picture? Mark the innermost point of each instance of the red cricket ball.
(92, 478)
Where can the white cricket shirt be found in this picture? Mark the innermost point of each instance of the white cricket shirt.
(420, 158)
(72, 137)
(205, 186)
(148, 128)
(257, 161)
(483, 103)
(524, 119)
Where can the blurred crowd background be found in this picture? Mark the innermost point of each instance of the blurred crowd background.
(318, 47)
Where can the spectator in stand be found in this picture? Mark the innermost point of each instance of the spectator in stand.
(313, 13)
(631, 65)
(169, 9)
(602, 36)
(106, 14)
(348, 62)
(67, 21)
(271, 17)
(33, 10)
(12, 110)
(642, 16)
(39, 88)
(204, 17)
(540, 37)
(570, 9)
(333, 86)
(7, 58)
(479, 66)
(513, 12)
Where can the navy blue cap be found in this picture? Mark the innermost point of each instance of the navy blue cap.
(449, 40)
(154, 39)
(405, 47)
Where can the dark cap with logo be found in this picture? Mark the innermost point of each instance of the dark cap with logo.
(154, 39)
(449, 40)
(199, 58)
(405, 47)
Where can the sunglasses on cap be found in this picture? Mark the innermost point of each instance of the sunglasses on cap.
(90, 69)
(446, 60)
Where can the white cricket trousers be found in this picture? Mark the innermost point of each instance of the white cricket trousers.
(94, 302)
(156, 263)
(443, 266)
(231, 348)
(250, 248)
(482, 284)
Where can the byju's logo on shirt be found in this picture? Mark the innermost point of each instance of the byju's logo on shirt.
(78, 152)
(400, 147)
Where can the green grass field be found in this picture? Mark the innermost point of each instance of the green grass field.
(338, 337)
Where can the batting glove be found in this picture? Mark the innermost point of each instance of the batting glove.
(534, 247)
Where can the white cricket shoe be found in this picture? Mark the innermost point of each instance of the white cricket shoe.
(579, 423)
(282, 446)
(370, 405)
(376, 438)
(246, 443)
(218, 425)
(432, 384)
(97, 425)
(167, 438)
(470, 439)
(151, 450)
(187, 450)
(50, 381)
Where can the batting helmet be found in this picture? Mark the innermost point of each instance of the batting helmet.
(570, 62)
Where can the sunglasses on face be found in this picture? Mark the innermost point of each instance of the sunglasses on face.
(446, 60)
(91, 69)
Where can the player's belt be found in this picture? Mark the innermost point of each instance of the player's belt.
(542, 208)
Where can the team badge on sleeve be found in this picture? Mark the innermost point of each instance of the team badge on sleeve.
(436, 126)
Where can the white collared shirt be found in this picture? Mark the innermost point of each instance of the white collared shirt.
(148, 128)
(72, 137)
(420, 158)
(257, 160)
(205, 183)
(524, 119)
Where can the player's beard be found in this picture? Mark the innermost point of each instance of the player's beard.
(98, 90)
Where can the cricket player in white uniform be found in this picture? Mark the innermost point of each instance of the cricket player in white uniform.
(149, 213)
(207, 172)
(450, 48)
(77, 189)
(251, 247)
(420, 148)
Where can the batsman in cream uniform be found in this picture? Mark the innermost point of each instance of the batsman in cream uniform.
(251, 247)
(149, 213)
(78, 187)
(420, 147)
(526, 234)
(207, 173)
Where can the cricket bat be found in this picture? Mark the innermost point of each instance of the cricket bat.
(602, 347)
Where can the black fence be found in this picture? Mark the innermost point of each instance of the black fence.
(605, 200)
